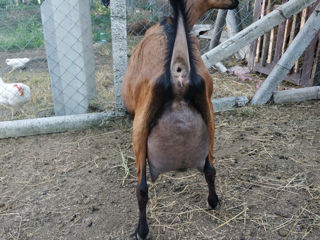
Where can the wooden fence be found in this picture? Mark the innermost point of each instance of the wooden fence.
(266, 51)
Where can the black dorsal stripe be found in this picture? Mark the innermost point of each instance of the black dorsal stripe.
(163, 88)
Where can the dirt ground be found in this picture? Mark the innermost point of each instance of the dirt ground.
(81, 185)
(36, 76)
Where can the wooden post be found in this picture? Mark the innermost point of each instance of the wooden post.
(302, 22)
(262, 14)
(258, 28)
(266, 38)
(316, 63)
(218, 28)
(228, 103)
(119, 47)
(297, 95)
(58, 124)
(216, 35)
(294, 51)
(233, 27)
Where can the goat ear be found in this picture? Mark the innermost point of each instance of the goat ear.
(180, 63)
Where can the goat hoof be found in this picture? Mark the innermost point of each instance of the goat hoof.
(137, 236)
(214, 203)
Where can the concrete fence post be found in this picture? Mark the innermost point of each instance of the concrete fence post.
(69, 48)
(119, 46)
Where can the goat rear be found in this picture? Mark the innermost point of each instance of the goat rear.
(168, 89)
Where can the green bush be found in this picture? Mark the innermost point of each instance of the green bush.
(100, 16)
(20, 28)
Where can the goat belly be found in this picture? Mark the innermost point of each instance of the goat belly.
(178, 140)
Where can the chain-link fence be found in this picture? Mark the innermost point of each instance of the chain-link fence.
(54, 56)
(23, 34)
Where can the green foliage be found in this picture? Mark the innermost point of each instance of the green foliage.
(20, 28)
(3, 3)
(248, 112)
(100, 16)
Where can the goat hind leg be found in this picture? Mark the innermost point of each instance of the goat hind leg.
(210, 174)
(142, 196)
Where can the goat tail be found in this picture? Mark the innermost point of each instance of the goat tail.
(179, 10)
(180, 58)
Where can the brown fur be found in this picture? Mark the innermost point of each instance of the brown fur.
(139, 81)
(179, 140)
(140, 96)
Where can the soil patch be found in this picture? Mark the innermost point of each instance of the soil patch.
(74, 185)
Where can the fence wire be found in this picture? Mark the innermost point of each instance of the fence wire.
(260, 57)
(22, 36)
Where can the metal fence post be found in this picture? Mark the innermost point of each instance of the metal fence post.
(69, 47)
(119, 46)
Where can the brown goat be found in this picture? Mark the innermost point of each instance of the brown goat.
(168, 89)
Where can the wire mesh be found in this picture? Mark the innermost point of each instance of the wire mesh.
(21, 36)
(145, 13)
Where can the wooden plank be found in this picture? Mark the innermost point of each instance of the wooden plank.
(271, 50)
(303, 17)
(271, 43)
(58, 124)
(263, 69)
(287, 61)
(266, 37)
(306, 71)
(315, 62)
(307, 63)
(280, 39)
(257, 10)
(228, 103)
(293, 29)
(279, 42)
(263, 7)
(297, 95)
(218, 28)
(302, 22)
(253, 46)
(293, 78)
(256, 29)
(286, 35)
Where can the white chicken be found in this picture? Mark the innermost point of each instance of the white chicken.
(14, 95)
(16, 63)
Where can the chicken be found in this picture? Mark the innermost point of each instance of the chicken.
(16, 63)
(14, 95)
